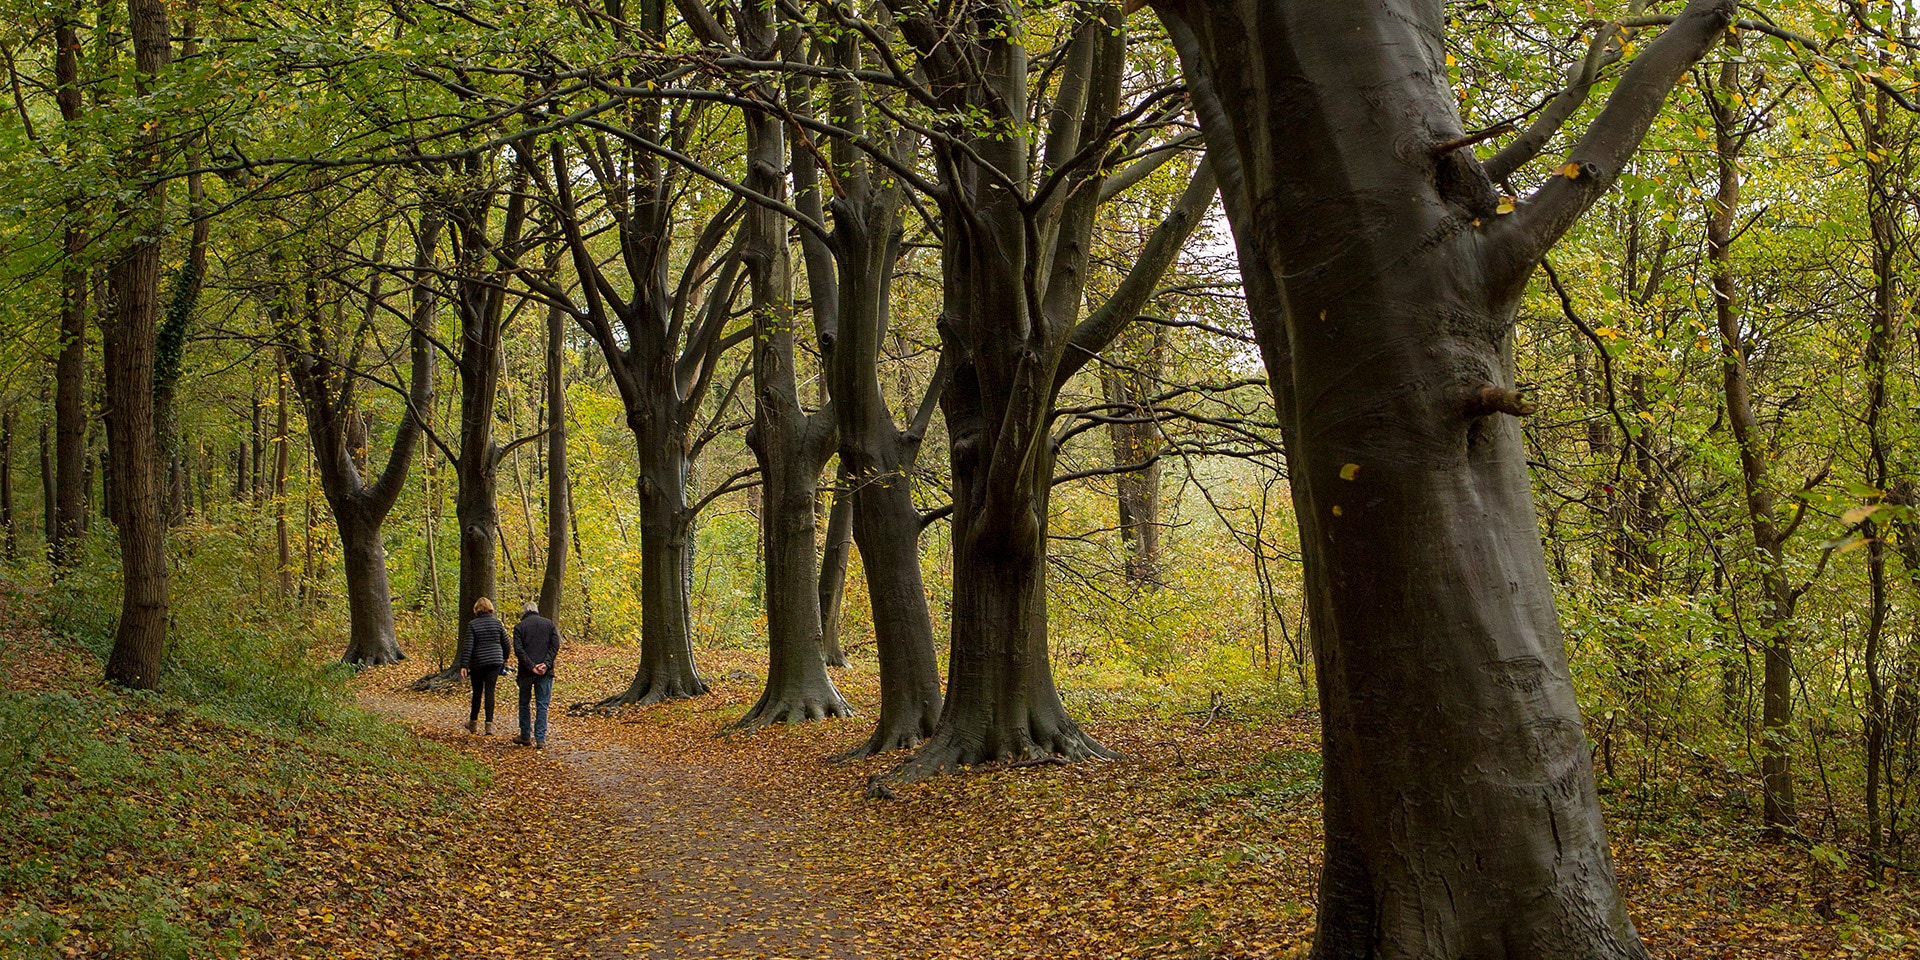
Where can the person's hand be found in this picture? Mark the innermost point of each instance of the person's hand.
(540, 669)
(463, 673)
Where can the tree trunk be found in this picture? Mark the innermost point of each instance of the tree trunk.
(70, 410)
(338, 429)
(798, 687)
(661, 358)
(1884, 188)
(1769, 540)
(371, 639)
(1001, 700)
(1136, 439)
(261, 483)
(49, 502)
(886, 527)
(134, 494)
(557, 504)
(875, 463)
(69, 507)
(790, 446)
(1460, 813)
(478, 518)
(283, 539)
(9, 537)
(834, 557)
(666, 670)
(128, 342)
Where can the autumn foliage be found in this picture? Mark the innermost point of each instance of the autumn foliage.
(147, 825)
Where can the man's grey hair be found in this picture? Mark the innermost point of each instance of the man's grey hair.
(531, 606)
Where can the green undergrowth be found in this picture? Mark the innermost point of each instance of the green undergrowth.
(178, 822)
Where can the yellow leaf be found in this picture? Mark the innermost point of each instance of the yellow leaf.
(1505, 207)
(1570, 170)
(1858, 514)
(1349, 471)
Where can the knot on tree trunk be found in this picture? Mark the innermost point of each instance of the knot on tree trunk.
(1488, 399)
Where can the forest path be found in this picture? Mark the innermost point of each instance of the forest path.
(687, 850)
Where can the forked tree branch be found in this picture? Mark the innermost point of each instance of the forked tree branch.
(1519, 240)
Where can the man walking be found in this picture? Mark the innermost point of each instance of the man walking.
(536, 644)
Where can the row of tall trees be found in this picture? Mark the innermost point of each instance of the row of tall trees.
(837, 231)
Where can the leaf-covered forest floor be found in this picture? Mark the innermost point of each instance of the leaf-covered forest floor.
(649, 834)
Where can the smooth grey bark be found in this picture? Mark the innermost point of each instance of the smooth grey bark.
(1459, 806)
(320, 368)
(479, 299)
(662, 343)
(790, 445)
(835, 553)
(1014, 262)
(850, 276)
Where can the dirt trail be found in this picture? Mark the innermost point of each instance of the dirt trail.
(706, 866)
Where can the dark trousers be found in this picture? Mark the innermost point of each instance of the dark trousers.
(533, 724)
(483, 679)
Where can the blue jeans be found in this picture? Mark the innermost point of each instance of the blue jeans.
(540, 690)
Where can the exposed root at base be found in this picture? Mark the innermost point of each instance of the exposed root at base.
(439, 682)
(377, 660)
(789, 710)
(885, 739)
(951, 752)
(639, 695)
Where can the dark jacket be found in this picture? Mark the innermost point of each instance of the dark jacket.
(484, 644)
(535, 640)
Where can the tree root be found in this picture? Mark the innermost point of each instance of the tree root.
(951, 751)
(439, 682)
(381, 659)
(791, 709)
(642, 693)
(886, 738)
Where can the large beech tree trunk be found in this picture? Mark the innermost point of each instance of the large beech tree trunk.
(370, 638)
(790, 445)
(850, 278)
(1014, 277)
(661, 346)
(128, 340)
(336, 428)
(666, 670)
(484, 243)
(1460, 813)
(1004, 333)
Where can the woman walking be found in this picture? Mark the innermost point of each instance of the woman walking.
(483, 654)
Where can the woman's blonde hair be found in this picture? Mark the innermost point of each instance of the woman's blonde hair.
(482, 605)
